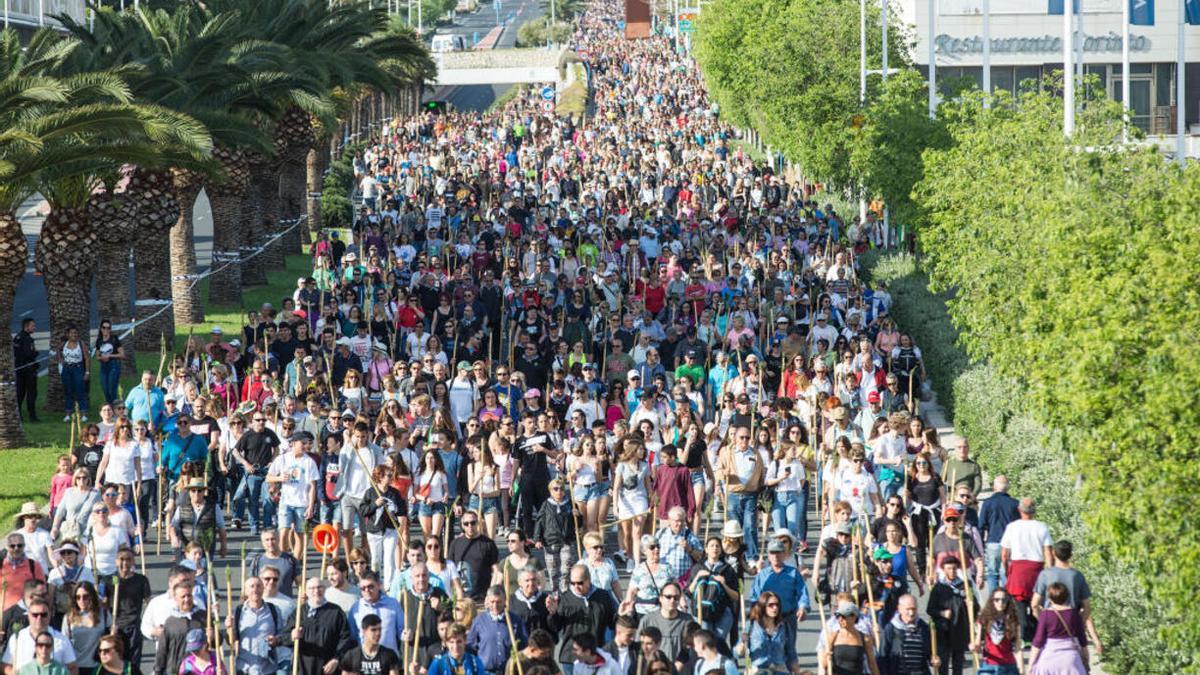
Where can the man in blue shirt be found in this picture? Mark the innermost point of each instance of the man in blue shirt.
(995, 514)
(785, 581)
(387, 608)
(489, 636)
(180, 447)
(145, 403)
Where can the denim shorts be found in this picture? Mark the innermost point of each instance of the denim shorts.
(291, 518)
(427, 510)
(490, 504)
(697, 478)
(599, 490)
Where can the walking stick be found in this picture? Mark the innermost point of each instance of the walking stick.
(242, 565)
(137, 515)
(162, 357)
(404, 648)
(160, 519)
(415, 653)
(446, 532)
(969, 591)
(233, 644)
(870, 595)
(116, 600)
(303, 581)
(910, 387)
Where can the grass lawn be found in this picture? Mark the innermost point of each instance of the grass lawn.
(27, 471)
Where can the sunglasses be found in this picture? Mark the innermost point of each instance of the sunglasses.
(47, 645)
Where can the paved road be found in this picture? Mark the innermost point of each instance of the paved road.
(159, 567)
(474, 27)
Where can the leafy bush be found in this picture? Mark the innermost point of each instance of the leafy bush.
(540, 32)
(993, 411)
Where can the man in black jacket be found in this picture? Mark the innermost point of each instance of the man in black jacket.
(582, 609)
(904, 645)
(25, 361)
(623, 647)
(528, 602)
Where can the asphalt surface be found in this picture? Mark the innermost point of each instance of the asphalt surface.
(473, 27)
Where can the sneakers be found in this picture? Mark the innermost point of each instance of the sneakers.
(630, 566)
(620, 558)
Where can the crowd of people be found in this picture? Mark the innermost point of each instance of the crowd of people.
(587, 339)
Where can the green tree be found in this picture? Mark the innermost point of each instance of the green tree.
(1073, 263)
(791, 71)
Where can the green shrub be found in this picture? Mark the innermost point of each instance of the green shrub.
(993, 411)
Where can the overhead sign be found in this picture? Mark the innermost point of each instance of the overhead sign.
(547, 106)
(686, 22)
(547, 93)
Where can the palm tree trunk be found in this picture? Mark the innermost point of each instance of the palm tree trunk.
(292, 205)
(254, 235)
(184, 294)
(154, 289)
(314, 163)
(113, 299)
(66, 256)
(225, 284)
(13, 255)
(264, 185)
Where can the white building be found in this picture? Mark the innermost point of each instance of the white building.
(1026, 42)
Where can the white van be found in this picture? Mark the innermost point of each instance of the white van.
(448, 43)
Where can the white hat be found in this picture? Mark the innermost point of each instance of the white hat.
(632, 374)
(732, 529)
(216, 330)
(343, 341)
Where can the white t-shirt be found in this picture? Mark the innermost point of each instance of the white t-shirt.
(122, 462)
(1025, 540)
(857, 488)
(300, 473)
(106, 546)
(21, 647)
(462, 400)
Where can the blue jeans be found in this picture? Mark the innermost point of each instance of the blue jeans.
(996, 669)
(789, 512)
(110, 376)
(251, 488)
(74, 389)
(743, 508)
(993, 572)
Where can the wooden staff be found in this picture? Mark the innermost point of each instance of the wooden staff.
(624, 520)
(699, 608)
(300, 600)
(214, 611)
(962, 558)
(910, 387)
(137, 517)
(745, 628)
(162, 357)
(243, 565)
(71, 437)
(446, 532)
(115, 601)
(404, 646)
(870, 593)
(414, 653)
(329, 381)
(233, 644)
(161, 519)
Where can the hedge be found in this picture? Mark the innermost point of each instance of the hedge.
(992, 412)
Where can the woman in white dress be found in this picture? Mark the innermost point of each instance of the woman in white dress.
(631, 486)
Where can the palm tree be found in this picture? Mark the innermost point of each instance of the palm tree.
(49, 123)
(179, 61)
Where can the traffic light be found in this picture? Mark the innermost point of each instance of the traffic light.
(437, 107)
